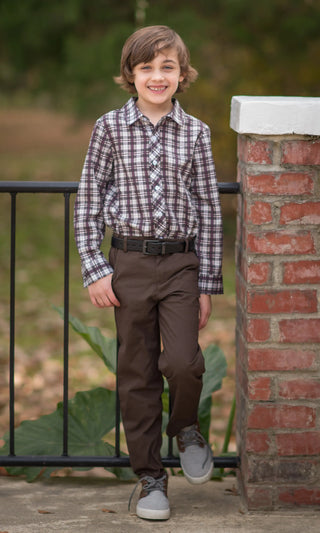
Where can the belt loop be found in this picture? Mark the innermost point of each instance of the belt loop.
(125, 244)
(186, 249)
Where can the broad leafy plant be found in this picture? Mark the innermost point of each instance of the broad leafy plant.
(92, 413)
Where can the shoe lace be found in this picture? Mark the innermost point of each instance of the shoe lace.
(193, 437)
(150, 485)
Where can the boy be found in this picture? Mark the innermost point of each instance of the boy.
(149, 175)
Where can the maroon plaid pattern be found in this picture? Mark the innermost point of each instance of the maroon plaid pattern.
(156, 185)
(118, 190)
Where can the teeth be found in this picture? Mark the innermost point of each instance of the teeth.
(157, 88)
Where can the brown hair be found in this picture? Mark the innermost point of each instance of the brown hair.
(143, 45)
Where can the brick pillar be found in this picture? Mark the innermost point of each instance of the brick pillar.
(278, 301)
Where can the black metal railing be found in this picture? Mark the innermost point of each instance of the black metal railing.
(64, 460)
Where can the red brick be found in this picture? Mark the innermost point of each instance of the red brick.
(273, 243)
(307, 213)
(300, 496)
(257, 442)
(239, 227)
(282, 416)
(240, 289)
(260, 213)
(265, 359)
(260, 389)
(306, 443)
(301, 152)
(241, 352)
(282, 301)
(242, 263)
(297, 471)
(242, 377)
(259, 498)
(300, 330)
(293, 183)
(296, 389)
(260, 469)
(253, 151)
(302, 272)
(258, 330)
(259, 273)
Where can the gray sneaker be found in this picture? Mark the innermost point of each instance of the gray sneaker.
(153, 502)
(195, 455)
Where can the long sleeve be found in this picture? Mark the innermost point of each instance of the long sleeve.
(206, 199)
(89, 223)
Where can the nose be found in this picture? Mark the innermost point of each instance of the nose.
(157, 74)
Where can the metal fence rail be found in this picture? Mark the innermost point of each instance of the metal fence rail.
(64, 460)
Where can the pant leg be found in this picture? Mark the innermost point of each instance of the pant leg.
(140, 380)
(181, 360)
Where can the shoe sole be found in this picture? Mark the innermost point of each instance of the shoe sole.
(153, 514)
(199, 480)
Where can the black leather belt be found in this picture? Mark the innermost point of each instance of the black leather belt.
(152, 246)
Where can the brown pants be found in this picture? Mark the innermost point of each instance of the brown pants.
(159, 297)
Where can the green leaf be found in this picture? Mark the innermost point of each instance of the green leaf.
(91, 417)
(105, 348)
(216, 369)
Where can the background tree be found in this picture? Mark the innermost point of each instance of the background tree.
(65, 54)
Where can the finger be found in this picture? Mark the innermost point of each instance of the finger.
(113, 299)
(94, 301)
(203, 318)
(100, 301)
(105, 301)
(203, 323)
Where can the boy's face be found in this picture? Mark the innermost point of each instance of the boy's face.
(157, 81)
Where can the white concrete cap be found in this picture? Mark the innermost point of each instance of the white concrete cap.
(275, 115)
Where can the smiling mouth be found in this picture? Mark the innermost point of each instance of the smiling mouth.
(158, 89)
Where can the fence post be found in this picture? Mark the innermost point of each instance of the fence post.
(278, 300)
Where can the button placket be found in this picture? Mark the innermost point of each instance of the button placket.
(158, 202)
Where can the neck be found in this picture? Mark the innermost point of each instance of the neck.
(154, 114)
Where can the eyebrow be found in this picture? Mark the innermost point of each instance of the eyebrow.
(173, 61)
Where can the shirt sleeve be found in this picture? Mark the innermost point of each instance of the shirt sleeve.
(207, 202)
(89, 224)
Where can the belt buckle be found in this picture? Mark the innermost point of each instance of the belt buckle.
(145, 247)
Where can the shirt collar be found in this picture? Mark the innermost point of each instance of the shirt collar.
(177, 114)
(132, 112)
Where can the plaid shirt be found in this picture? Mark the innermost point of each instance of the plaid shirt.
(115, 189)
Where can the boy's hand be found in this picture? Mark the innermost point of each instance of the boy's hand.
(205, 309)
(101, 293)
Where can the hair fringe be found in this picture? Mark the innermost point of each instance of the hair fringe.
(143, 45)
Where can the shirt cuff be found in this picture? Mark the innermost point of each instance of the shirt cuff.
(94, 267)
(210, 284)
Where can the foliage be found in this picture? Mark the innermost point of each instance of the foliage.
(105, 348)
(66, 53)
(91, 417)
(92, 413)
